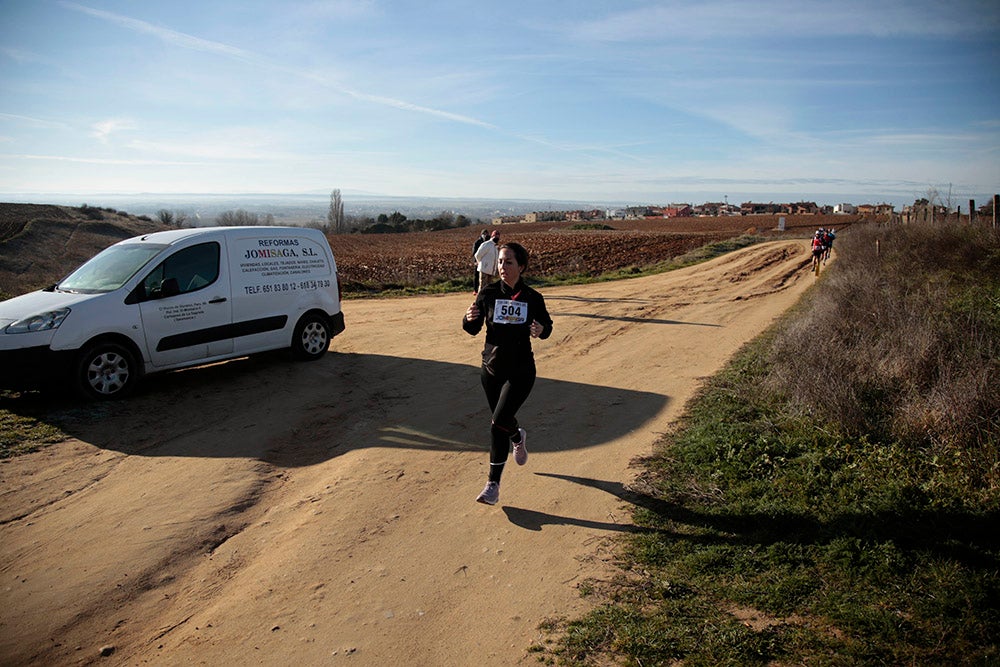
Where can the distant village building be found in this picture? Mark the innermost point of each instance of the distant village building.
(638, 211)
(557, 216)
(804, 208)
(876, 209)
(796, 208)
(753, 208)
(706, 209)
(714, 209)
(678, 211)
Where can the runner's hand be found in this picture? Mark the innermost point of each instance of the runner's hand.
(472, 313)
(536, 329)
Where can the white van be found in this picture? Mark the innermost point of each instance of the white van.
(173, 299)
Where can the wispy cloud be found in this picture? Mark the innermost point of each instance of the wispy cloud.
(198, 44)
(36, 122)
(165, 34)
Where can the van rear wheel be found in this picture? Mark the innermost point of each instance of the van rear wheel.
(106, 371)
(311, 337)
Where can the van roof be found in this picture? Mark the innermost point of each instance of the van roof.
(171, 236)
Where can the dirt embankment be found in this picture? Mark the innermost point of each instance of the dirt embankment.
(272, 513)
(40, 243)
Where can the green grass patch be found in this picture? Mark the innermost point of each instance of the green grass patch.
(23, 429)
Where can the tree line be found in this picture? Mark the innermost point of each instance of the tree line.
(336, 221)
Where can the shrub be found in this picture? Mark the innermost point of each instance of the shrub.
(92, 212)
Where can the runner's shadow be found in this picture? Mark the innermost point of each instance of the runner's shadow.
(533, 520)
(677, 513)
(969, 538)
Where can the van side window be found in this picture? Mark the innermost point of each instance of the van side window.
(185, 271)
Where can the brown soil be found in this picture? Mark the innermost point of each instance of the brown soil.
(272, 513)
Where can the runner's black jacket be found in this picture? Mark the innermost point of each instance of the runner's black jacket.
(508, 346)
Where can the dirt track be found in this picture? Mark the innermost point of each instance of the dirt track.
(266, 512)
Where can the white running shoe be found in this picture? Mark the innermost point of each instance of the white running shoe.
(490, 494)
(521, 448)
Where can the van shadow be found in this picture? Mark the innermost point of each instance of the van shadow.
(297, 414)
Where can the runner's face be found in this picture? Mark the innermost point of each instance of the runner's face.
(509, 269)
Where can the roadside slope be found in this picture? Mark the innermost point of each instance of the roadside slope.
(260, 512)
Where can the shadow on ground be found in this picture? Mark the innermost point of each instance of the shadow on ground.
(294, 414)
(972, 539)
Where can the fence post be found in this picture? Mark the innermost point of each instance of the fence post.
(972, 211)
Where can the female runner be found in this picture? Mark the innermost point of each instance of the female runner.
(514, 314)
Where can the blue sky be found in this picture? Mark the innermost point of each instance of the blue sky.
(595, 100)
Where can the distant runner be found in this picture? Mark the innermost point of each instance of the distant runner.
(818, 249)
(828, 237)
(486, 259)
(475, 247)
(514, 314)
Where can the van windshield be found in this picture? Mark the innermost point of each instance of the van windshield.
(110, 269)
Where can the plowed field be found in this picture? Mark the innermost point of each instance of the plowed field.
(373, 261)
(39, 245)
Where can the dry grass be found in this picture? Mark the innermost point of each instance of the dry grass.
(902, 342)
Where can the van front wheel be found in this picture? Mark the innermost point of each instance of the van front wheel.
(311, 337)
(106, 371)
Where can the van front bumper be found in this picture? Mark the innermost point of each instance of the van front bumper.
(33, 367)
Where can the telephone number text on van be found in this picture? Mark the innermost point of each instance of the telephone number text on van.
(272, 288)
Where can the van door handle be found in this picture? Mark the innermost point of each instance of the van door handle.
(218, 299)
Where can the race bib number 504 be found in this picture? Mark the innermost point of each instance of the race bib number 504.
(510, 312)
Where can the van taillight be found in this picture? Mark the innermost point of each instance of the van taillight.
(340, 292)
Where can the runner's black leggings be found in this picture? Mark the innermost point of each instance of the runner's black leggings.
(506, 394)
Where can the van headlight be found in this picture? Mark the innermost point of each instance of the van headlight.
(41, 322)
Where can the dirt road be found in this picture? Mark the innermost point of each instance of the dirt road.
(275, 513)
